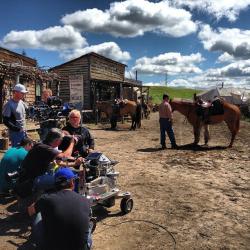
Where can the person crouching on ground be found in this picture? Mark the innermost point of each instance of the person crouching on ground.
(11, 162)
(166, 119)
(36, 166)
(62, 218)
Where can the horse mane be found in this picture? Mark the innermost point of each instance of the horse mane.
(187, 102)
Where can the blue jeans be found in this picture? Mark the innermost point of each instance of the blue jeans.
(16, 137)
(38, 233)
(166, 126)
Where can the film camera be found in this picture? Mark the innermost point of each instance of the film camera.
(49, 115)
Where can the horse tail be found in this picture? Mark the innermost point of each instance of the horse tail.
(237, 119)
(138, 115)
(237, 125)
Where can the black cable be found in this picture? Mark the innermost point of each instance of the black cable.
(145, 221)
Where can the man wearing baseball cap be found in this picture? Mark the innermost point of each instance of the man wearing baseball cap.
(14, 114)
(62, 218)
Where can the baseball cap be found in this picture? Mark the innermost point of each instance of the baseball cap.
(64, 174)
(20, 88)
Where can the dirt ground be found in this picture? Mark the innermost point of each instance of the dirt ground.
(183, 199)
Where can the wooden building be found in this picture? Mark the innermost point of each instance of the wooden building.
(17, 68)
(94, 77)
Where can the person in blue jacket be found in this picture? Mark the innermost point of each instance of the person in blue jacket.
(11, 161)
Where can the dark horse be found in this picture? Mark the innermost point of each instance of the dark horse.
(119, 108)
(231, 116)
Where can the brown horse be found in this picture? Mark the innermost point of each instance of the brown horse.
(133, 109)
(119, 108)
(189, 109)
(105, 107)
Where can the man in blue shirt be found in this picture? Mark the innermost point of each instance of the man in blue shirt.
(62, 218)
(14, 114)
(11, 161)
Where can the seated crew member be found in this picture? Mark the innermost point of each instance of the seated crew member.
(38, 162)
(85, 143)
(62, 218)
(11, 162)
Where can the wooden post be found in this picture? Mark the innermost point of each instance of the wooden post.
(1, 98)
(94, 106)
(121, 91)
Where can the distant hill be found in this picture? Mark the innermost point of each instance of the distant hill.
(157, 91)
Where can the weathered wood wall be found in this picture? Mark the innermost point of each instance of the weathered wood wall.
(92, 67)
(12, 57)
(106, 70)
(79, 66)
(30, 97)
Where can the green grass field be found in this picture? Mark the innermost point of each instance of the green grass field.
(157, 91)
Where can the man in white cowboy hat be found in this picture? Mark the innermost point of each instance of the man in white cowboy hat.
(14, 113)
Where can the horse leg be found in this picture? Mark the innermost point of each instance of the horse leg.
(197, 131)
(232, 140)
(233, 131)
(133, 125)
(113, 122)
(206, 134)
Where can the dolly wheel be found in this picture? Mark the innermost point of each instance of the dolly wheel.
(126, 205)
(92, 224)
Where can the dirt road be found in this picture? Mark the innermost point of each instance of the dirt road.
(183, 199)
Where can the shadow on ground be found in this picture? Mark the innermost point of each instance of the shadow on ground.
(193, 147)
(102, 213)
(15, 224)
(148, 150)
(190, 147)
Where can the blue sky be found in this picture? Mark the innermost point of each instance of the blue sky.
(191, 43)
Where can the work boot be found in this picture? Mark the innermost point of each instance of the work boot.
(163, 147)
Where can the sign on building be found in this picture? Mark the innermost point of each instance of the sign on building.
(76, 88)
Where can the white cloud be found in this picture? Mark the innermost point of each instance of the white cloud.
(53, 38)
(225, 58)
(108, 49)
(236, 74)
(229, 9)
(204, 82)
(130, 74)
(169, 63)
(133, 18)
(235, 42)
(153, 84)
(235, 69)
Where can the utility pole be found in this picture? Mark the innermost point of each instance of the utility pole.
(166, 79)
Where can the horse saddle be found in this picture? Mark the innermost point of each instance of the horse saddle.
(216, 108)
(207, 109)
